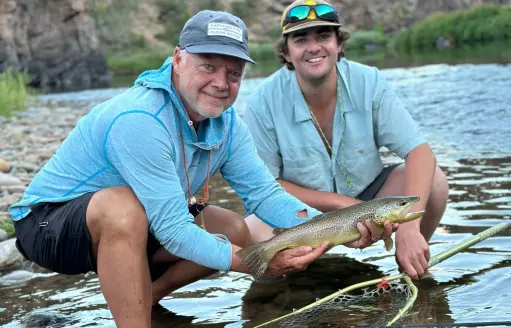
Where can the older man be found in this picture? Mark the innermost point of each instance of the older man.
(118, 196)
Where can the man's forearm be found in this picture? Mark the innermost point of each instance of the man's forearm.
(420, 167)
(321, 200)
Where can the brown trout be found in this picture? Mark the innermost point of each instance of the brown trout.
(337, 227)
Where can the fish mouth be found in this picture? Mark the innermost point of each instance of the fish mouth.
(411, 201)
(405, 216)
(412, 216)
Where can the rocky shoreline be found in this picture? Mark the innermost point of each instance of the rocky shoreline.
(28, 140)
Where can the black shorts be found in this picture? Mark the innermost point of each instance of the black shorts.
(55, 236)
(375, 186)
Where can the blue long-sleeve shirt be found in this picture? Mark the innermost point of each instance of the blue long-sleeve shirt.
(133, 140)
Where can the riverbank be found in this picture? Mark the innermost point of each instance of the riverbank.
(29, 139)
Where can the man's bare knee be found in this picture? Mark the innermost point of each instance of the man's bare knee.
(116, 211)
(222, 221)
(238, 233)
(440, 188)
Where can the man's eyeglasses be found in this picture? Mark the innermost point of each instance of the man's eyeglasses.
(298, 13)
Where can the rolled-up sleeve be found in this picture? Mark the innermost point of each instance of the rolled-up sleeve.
(260, 192)
(144, 159)
(263, 134)
(396, 129)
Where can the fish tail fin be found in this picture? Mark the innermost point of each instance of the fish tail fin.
(256, 257)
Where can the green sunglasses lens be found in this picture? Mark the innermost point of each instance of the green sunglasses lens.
(298, 13)
(325, 12)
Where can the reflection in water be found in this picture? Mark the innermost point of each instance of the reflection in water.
(328, 275)
(323, 277)
(465, 112)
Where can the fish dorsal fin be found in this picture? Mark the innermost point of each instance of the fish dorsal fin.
(276, 231)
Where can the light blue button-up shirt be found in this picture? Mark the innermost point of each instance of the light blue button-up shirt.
(134, 140)
(288, 142)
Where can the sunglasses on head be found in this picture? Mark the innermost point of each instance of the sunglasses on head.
(298, 13)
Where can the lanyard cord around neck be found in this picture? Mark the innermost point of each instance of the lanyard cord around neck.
(343, 165)
(191, 199)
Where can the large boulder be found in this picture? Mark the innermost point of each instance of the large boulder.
(10, 257)
(55, 41)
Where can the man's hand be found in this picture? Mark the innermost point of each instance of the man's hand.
(412, 252)
(294, 259)
(370, 233)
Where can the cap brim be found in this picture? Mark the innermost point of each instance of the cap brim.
(220, 49)
(309, 25)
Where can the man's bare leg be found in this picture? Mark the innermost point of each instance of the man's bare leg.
(118, 227)
(437, 201)
(182, 272)
(260, 230)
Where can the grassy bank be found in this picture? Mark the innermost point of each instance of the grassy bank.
(141, 59)
(367, 41)
(137, 60)
(14, 94)
(467, 27)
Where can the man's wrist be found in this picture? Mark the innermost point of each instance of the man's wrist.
(412, 226)
(237, 264)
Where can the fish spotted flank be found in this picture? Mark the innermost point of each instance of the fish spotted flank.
(337, 227)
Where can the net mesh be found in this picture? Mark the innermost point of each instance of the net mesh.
(367, 307)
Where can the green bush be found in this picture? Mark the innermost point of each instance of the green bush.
(262, 51)
(7, 226)
(476, 25)
(359, 40)
(275, 32)
(14, 94)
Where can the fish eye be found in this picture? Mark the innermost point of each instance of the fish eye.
(402, 202)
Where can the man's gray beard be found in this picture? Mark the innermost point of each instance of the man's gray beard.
(194, 106)
(197, 110)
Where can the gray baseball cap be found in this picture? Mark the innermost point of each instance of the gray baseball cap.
(215, 32)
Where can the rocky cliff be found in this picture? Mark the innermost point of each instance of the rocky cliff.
(55, 40)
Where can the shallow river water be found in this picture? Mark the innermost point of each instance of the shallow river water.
(465, 112)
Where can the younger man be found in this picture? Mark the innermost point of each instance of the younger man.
(319, 122)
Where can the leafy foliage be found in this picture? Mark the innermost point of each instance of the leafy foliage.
(7, 226)
(14, 93)
(477, 25)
